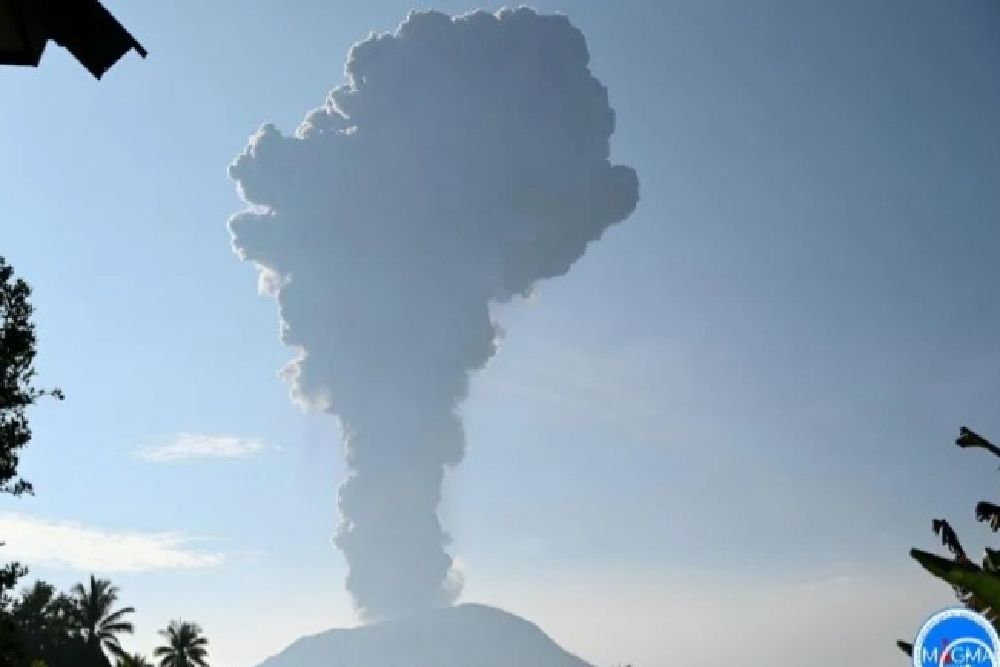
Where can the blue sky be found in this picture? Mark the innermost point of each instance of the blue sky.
(732, 415)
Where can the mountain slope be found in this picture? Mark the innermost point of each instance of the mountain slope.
(468, 635)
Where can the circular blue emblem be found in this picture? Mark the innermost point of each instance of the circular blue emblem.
(957, 638)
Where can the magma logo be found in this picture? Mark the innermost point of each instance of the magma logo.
(956, 638)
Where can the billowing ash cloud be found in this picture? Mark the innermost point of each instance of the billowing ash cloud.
(464, 160)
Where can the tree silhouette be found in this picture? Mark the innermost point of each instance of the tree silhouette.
(17, 374)
(36, 612)
(96, 620)
(185, 647)
(976, 586)
(17, 394)
(48, 626)
(134, 660)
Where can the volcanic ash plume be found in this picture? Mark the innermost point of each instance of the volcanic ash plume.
(463, 160)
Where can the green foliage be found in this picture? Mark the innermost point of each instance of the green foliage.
(976, 586)
(17, 374)
(134, 660)
(185, 647)
(50, 628)
(79, 629)
(17, 394)
(99, 623)
(9, 576)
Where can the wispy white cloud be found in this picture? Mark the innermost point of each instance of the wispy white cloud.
(74, 546)
(187, 446)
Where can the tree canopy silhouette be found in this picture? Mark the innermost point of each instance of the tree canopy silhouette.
(82, 628)
(133, 660)
(17, 394)
(17, 374)
(99, 622)
(186, 646)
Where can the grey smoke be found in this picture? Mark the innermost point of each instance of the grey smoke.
(463, 160)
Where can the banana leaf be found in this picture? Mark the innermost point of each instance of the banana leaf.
(964, 575)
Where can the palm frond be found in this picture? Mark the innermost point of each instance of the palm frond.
(989, 512)
(114, 647)
(116, 616)
(185, 645)
(949, 538)
(969, 438)
(122, 626)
